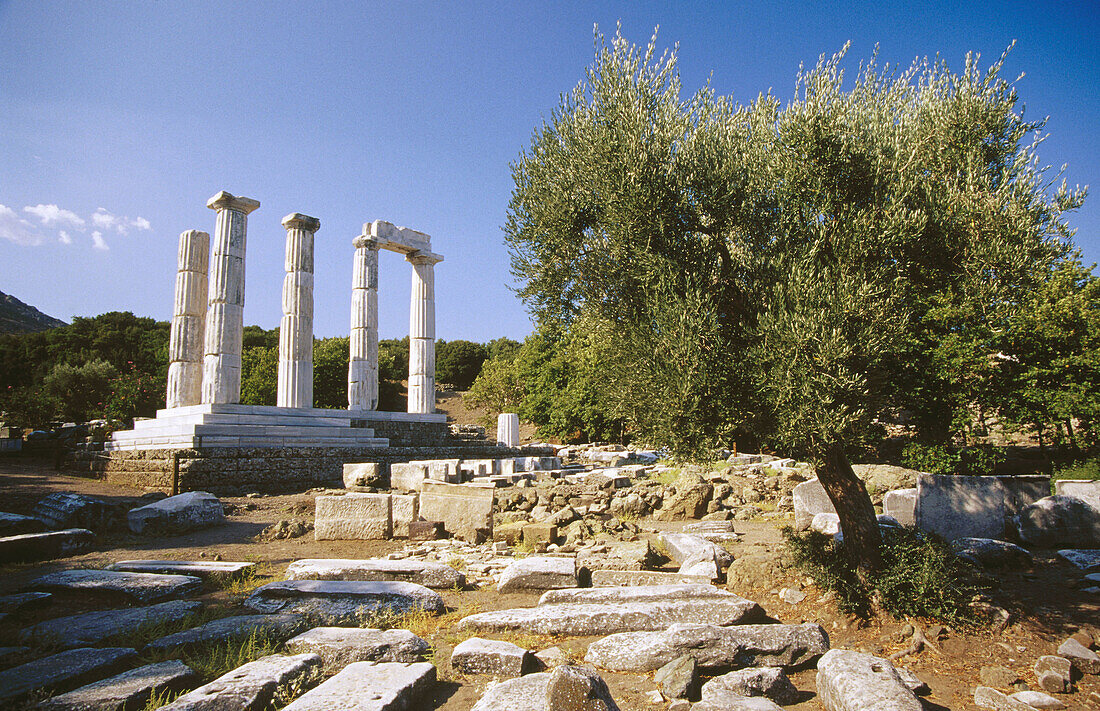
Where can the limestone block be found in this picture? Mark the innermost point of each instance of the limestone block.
(198, 568)
(1086, 559)
(490, 656)
(276, 627)
(566, 688)
(715, 647)
(989, 553)
(989, 698)
(408, 476)
(679, 679)
(65, 510)
(1055, 674)
(63, 671)
(683, 547)
(43, 546)
(1057, 521)
(508, 429)
(432, 575)
(973, 506)
(127, 690)
(16, 524)
(902, 505)
(340, 646)
(343, 600)
(1038, 700)
(1087, 491)
(853, 681)
(23, 601)
(639, 593)
(608, 578)
(466, 512)
(91, 628)
(405, 508)
(250, 686)
(353, 517)
(538, 573)
(1080, 656)
(770, 682)
(142, 588)
(809, 499)
(364, 474)
(392, 687)
(177, 514)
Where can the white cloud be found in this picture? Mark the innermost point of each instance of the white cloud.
(97, 241)
(64, 238)
(52, 214)
(105, 220)
(16, 229)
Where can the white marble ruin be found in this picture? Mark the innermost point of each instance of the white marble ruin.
(204, 380)
(508, 429)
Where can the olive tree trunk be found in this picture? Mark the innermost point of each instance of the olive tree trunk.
(862, 538)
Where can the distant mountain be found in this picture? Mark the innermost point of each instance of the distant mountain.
(17, 317)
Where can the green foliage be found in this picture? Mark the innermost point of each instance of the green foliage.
(81, 390)
(133, 394)
(28, 407)
(920, 576)
(943, 459)
(330, 372)
(259, 375)
(458, 363)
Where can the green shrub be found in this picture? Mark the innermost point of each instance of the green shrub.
(941, 459)
(1086, 469)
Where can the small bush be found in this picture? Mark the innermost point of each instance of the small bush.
(1087, 469)
(940, 459)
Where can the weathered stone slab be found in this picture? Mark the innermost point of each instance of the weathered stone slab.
(974, 506)
(466, 512)
(250, 686)
(827, 523)
(989, 698)
(366, 686)
(277, 627)
(1083, 489)
(16, 524)
(1038, 700)
(587, 619)
(713, 531)
(142, 588)
(566, 688)
(426, 530)
(627, 555)
(1080, 656)
(198, 568)
(1055, 674)
(127, 690)
(683, 547)
(736, 702)
(364, 474)
(23, 601)
(809, 499)
(490, 656)
(988, 553)
(714, 647)
(64, 671)
(770, 682)
(43, 546)
(343, 600)
(431, 575)
(611, 578)
(93, 627)
(902, 505)
(1057, 521)
(853, 681)
(353, 517)
(404, 509)
(408, 476)
(637, 593)
(1087, 559)
(538, 573)
(177, 514)
(340, 646)
(62, 510)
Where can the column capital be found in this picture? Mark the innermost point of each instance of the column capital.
(421, 257)
(297, 220)
(366, 241)
(226, 201)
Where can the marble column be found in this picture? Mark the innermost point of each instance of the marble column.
(296, 329)
(363, 361)
(185, 345)
(221, 374)
(422, 332)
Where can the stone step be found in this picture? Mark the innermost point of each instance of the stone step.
(640, 593)
(198, 568)
(250, 686)
(611, 578)
(93, 627)
(277, 627)
(431, 575)
(142, 588)
(343, 600)
(63, 671)
(491, 656)
(539, 573)
(340, 646)
(130, 689)
(366, 686)
(588, 619)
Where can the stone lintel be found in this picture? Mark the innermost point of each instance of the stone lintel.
(423, 257)
(297, 220)
(366, 241)
(397, 239)
(227, 201)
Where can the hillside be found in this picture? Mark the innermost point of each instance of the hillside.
(17, 317)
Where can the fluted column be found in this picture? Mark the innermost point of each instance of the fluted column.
(422, 332)
(296, 329)
(185, 345)
(363, 360)
(221, 374)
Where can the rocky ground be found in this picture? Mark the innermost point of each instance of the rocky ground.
(1047, 600)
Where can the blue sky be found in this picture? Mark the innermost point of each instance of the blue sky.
(119, 120)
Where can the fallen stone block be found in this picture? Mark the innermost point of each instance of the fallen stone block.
(276, 627)
(679, 679)
(92, 628)
(16, 524)
(639, 593)
(23, 601)
(1057, 521)
(44, 546)
(130, 689)
(343, 600)
(407, 476)
(63, 671)
(490, 656)
(628, 555)
(1087, 559)
(340, 646)
(902, 505)
(1037, 700)
(989, 698)
(431, 575)
(683, 547)
(177, 514)
(853, 681)
(809, 499)
(614, 578)
(974, 506)
(360, 475)
(250, 686)
(1055, 674)
(353, 517)
(989, 553)
(566, 688)
(536, 533)
(715, 647)
(198, 568)
(11, 655)
(62, 510)
(735, 702)
(367, 686)
(466, 512)
(1087, 491)
(588, 619)
(404, 509)
(1081, 657)
(826, 523)
(142, 588)
(426, 530)
(538, 573)
(713, 531)
(770, 682)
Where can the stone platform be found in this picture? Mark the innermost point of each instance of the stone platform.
(252, 426)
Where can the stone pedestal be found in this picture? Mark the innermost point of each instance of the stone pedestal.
(185, 347)
(422, 333)
(363, 361)
(221, 376)
(508, 429)
(296, 329)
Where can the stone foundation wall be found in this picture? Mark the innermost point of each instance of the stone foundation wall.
(234, 472)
